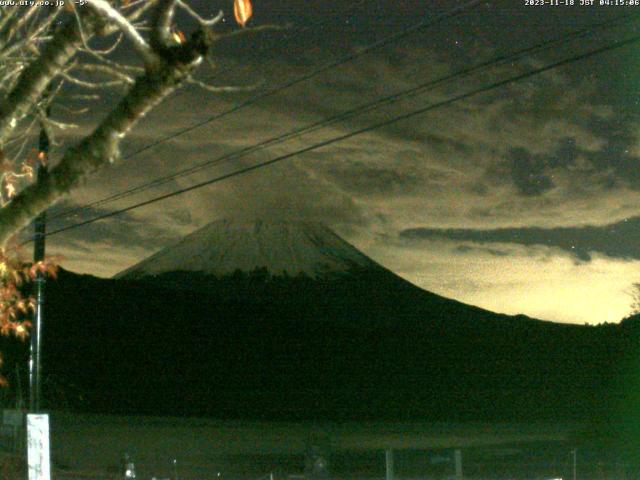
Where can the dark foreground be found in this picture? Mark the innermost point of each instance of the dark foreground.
(361, 354)
(198, 448)
(365, 347)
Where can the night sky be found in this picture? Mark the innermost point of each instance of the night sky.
(525, 199)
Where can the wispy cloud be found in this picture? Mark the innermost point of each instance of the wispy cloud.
(617, 240)
(544, 170)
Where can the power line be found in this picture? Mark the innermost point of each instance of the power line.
(263, 46)
(323, 68)
(419, 89)
(369, 128)
(250, 101)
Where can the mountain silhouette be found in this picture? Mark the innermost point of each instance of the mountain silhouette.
(282, 248)
(307, 327)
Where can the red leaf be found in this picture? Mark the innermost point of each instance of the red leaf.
(243, 11)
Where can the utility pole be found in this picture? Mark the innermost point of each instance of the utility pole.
(35, 366)
(457, 458)
(388, 455)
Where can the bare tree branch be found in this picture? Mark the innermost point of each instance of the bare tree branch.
(9, 16)
(15, 22)
(202, 21)
(102, 146)
(35, 78)
(25, 89)
(91, 85)
(117, 65)
(217, 89)
(168, 62)
(111, 49)
(112, 71)
(139, 44)
(146, 6)
(161, 33)
(249, 30)
(22, 20)
(31, 38)
(50, 124)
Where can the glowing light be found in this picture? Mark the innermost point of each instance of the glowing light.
(10, 188)
(243, 11)
(178, 36)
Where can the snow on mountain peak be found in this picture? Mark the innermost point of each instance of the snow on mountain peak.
(223, 247)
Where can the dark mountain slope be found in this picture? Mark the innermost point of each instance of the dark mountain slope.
(135, 346)
(308, 327)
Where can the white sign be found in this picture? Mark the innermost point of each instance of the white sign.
(38, 447)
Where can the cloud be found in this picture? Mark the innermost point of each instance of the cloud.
(619, 240)
(543, 282)
(529, 153)
(543, 171)
(528, 172)
(107, 246)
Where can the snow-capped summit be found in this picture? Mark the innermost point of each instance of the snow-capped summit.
(282, 248)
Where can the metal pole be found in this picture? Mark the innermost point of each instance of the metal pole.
(388, 456)
(35, 363)
(458, 463)
(574, 452)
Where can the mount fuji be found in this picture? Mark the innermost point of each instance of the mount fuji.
(280, 248)
(285, 320)
(294, 269)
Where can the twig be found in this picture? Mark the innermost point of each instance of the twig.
(225, 89)
(161, 38)
(201, 20)
(106, 70)
(139, 43)
(90, 85)
(259, 28)
(35, 78)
